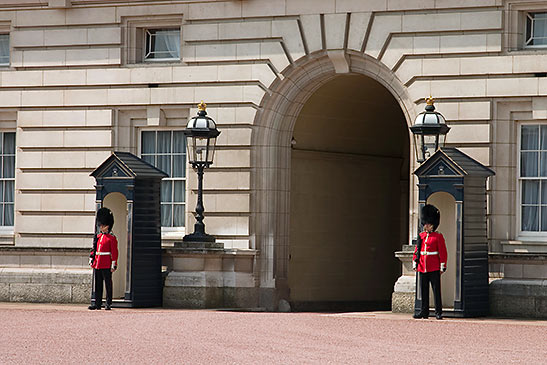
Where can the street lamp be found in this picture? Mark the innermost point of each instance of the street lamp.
(201, 135)
(429, 130)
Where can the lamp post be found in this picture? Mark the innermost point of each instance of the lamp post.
(201, 134)
(429, 131)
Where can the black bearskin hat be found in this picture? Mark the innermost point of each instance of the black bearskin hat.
(105, 217)
(431, 215)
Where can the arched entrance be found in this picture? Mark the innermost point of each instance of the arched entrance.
(335, 194)
(348, 167)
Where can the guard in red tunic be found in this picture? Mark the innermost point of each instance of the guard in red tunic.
(104, 258)
(429, 261)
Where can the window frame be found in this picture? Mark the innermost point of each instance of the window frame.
(145, 47)
(7, 64)
(515, 16)
(540, 236)
(3, 228)
(169, 232)
(528, 17)
(134, 40)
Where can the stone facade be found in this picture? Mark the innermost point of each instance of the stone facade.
(76, 88)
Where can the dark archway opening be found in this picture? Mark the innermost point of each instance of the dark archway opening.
(348, 197)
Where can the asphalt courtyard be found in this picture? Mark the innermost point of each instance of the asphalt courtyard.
(71, 334)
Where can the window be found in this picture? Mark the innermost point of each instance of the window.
(7, 177)
(4, 49)
(536, 29)
(533, 178)
(167, 151)
(162, 44)
(151, 38)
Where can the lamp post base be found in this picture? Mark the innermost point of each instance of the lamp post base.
(198, 237)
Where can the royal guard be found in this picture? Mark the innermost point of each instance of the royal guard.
(104, 258)
(429, 261)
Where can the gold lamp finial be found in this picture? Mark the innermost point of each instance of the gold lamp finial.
(202, 106)
(430, 100)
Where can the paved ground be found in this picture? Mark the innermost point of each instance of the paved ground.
(47, 334)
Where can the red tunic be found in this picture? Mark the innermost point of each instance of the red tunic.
(106, 256)
(433, 256)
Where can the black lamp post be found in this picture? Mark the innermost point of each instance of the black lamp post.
(429, 131)
(201, 135)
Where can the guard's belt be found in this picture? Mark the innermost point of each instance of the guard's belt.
(429, 253)
(102, 253)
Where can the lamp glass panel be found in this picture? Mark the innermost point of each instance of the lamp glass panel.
(431, 144)
(190, 148)
(420, 153)
(211, 150)
(431, 118)
(200, 149)
(442, 140)
(418, 144)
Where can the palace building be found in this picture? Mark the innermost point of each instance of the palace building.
(312, 191)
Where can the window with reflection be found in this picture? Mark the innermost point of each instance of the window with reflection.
(162, 45)
(536, 29)
(166, 150)
(7, 178)
(533, 178)
(4, 49)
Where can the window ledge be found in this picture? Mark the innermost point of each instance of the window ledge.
(518, 246)
(528, 51)
(164, 60)
(154, 64)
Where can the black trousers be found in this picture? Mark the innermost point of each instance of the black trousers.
(100, 276)
(433, 277)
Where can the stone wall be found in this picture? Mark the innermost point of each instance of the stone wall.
(518, 285)
(210, 278)
(45, 275)
(194, 278)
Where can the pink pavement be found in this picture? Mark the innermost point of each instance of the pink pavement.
(69, 334)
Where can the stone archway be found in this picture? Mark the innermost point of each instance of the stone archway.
(349, 165)
(271, 161)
